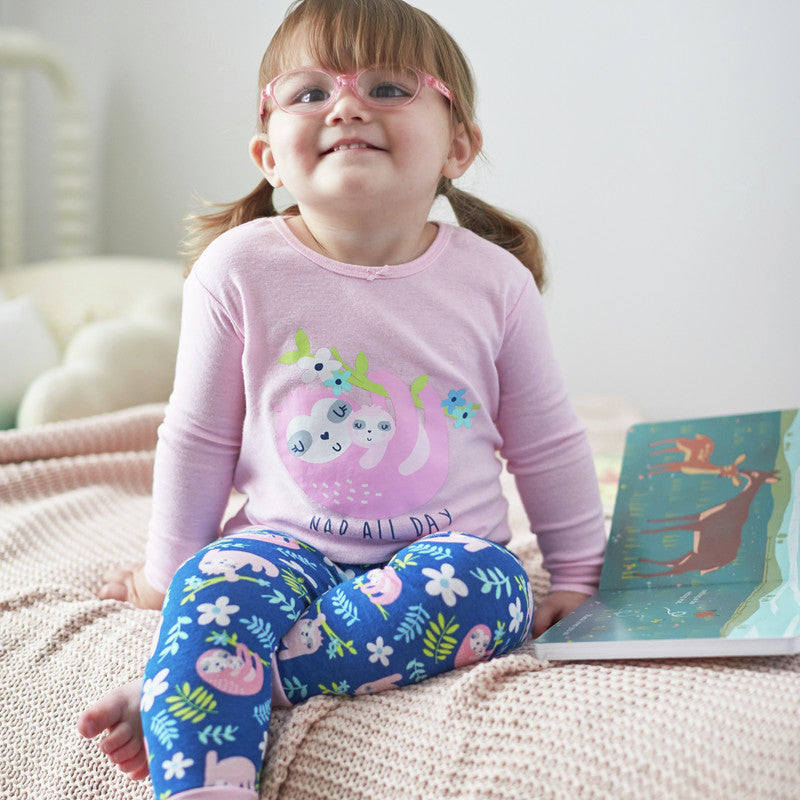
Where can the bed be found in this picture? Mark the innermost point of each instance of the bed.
(74, 499)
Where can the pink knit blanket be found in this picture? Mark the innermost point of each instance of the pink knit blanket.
(75, 498)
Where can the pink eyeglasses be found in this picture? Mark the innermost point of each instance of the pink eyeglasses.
(306, 91)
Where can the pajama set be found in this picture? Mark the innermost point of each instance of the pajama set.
(360, 411)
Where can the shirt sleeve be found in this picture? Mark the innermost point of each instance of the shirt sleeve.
(200, 437)
(547, 451)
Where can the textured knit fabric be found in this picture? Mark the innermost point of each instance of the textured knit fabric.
(257, 603)
(75, 500)
(359, 409)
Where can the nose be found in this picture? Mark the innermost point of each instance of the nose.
(347, 106)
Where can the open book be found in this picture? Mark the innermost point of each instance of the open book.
(704, 548)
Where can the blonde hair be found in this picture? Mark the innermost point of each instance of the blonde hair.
(345, 35)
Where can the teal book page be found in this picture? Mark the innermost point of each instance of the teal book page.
(705, 537)
(664, 612)
(707, 503)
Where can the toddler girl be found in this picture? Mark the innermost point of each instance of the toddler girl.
(353, 369)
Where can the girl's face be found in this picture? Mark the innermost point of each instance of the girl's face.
(354, 158)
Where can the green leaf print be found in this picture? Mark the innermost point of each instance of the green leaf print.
(416, 671)
(164, 729)
(417, 386)
(191, 705)
(286, 604)
(292, 357)
(303, 349)
(499, 634)
(302, 342)
(295, 687)
(345, 608)
(493, 580)
(439, 641)
(362, 365)
(342, 688)
(218, 734)
(175, 635)
(337, 645)
(193, 589)
(262, 630)
(412, 624)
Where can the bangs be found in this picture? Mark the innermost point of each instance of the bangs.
(349, 35)
(362, 34)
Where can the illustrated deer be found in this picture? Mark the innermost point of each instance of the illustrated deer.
(717, 531)
(696, 459)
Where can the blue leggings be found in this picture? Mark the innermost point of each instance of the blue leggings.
(258, 618)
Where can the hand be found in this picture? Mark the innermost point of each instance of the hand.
(553, 608)
(129, 583)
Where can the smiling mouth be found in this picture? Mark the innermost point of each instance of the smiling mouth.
(340, 148)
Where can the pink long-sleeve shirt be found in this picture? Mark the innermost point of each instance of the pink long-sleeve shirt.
(361, 408)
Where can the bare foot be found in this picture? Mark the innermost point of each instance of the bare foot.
(117, 713)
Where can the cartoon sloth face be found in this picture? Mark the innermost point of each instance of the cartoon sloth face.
(216, 661)
(322, 435)
(479, 642)
(372, 426)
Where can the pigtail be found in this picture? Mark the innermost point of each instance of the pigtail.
(202, 229)
(496, 226)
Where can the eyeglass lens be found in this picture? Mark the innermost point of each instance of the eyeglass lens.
(308, 90)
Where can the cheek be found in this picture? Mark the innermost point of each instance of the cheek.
(292, 144)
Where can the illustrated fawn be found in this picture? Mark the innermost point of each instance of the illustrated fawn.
(696, 459)
(717, 531)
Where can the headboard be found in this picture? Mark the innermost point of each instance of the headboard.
(23, 52)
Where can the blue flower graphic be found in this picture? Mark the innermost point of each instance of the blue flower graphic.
(338, 381)
(464, 416)
(454, 398)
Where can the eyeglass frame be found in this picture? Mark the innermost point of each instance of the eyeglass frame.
(350, 80)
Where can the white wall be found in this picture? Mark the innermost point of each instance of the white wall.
(653, 144)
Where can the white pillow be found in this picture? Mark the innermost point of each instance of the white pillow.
(27, 349)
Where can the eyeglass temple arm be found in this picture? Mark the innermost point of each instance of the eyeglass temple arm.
(262, 109)
(435, 83)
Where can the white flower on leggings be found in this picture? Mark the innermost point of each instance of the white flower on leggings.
(176, 767)
(218, 611)
(380, 651)
(152, 688)
(445, 583)
(517, 617)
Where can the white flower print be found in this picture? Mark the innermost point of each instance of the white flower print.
(152, 688)
(321, 365)
(263, 746)
(219, 611)
(176, 767)
(380, 651)
(445, 583)
(517, 617)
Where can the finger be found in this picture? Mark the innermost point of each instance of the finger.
(126, 753)
(113, 591)
(119, 572)
(136, 767)
(118, 737)
(542, 620)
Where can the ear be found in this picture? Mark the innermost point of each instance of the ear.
(462, 151)
(261, 153)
